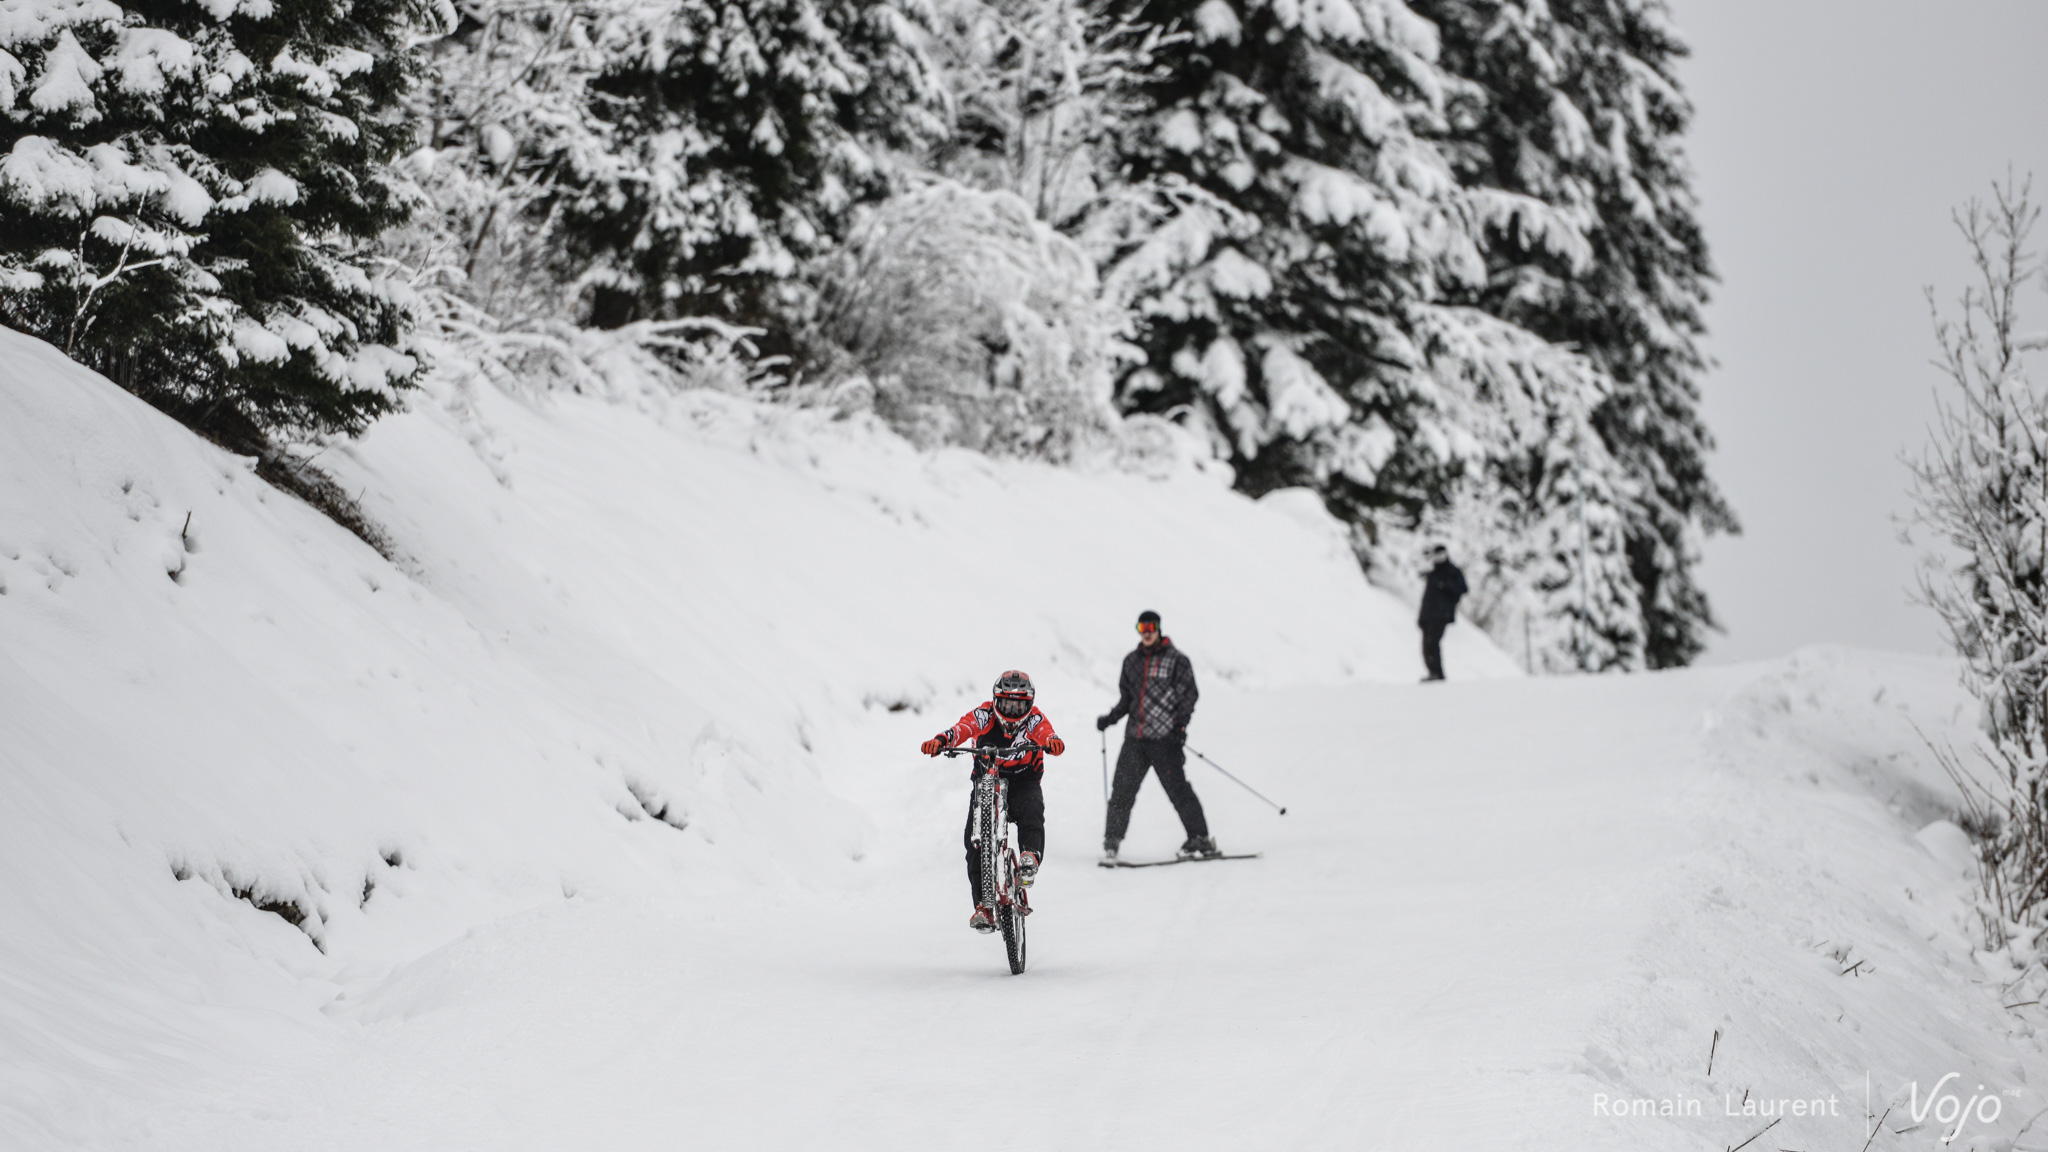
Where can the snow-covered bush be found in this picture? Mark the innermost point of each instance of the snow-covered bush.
(190, 197)
(975, 324)
(1036, 87)
(505, 99)
(1980, 492)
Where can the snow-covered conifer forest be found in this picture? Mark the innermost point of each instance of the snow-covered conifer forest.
(1437, 262)
(494, 493)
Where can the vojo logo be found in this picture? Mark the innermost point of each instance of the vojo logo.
(1945, 1104)
(1948, 1108)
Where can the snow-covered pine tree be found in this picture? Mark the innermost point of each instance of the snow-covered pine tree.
(1305, 269)
(1293, 216)
(738, 135)
(1565, 128)
(189, 198)
(1538, 520)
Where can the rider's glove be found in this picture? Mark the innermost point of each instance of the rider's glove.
(1055, 745)
(1103, 722)
(1180, 737)
(934, 746)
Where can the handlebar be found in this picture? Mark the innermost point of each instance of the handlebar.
(990, 752)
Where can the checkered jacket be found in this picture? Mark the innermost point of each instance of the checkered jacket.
(1157, 691)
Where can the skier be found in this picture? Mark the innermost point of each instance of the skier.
(1157, 691)
(1007, 718)
(1439, 607)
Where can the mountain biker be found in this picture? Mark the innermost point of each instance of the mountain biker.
(1008, 718)
(1157, 691)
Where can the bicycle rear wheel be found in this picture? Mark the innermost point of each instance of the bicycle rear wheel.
(1010, 916)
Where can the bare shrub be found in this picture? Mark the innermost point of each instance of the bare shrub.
(1980, 493)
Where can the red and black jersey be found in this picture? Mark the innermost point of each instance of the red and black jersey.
(984, 729)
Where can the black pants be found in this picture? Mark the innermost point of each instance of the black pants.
(1025, 795)
(1167, 759)
(1433, 649)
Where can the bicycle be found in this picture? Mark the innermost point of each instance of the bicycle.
(999, 879)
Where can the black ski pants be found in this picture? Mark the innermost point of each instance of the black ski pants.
(1433, 648)
(1025, 796)
(1166, 758)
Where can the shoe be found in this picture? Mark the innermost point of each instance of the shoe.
(982, 921)
(1109, 851)
(1203, 846)
(1027, 867)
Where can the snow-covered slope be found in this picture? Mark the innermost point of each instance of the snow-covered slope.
(642, 645)
(603, 827)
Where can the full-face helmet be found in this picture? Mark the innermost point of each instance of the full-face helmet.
(1013, 696)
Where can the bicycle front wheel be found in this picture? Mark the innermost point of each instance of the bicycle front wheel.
(988, 815)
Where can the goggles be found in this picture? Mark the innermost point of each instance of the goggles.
(1148, 629)
(1013, 707)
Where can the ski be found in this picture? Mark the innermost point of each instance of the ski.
(1178, 860)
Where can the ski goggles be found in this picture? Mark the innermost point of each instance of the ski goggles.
(1148, 629)
(1013, 707)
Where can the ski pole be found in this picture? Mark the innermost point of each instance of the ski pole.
(1236, 781)
(1105, 764)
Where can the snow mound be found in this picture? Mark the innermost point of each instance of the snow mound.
(1949, 845)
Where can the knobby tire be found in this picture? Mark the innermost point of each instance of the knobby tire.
(998, 870)
(988, 821)
(998, 876)
(1011, 921)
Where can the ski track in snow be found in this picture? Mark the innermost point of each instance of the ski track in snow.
(1493, 902)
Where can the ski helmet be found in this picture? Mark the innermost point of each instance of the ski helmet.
(1013, 696)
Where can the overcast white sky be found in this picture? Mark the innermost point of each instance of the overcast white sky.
(1833, 137)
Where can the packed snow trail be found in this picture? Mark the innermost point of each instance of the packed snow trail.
(1446, 907)
(1431, 954)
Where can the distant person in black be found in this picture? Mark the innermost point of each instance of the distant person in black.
(1439, 608)
(1157, 691)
